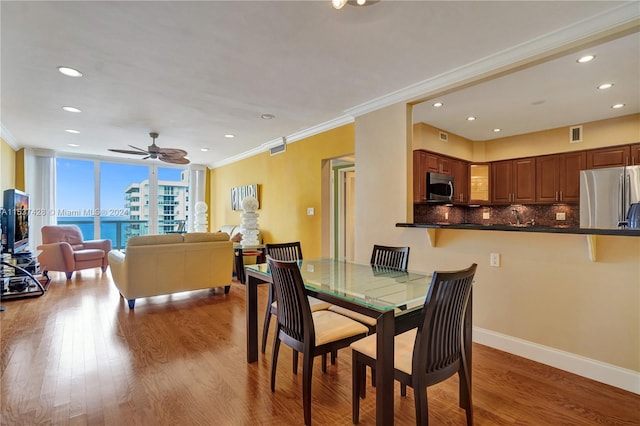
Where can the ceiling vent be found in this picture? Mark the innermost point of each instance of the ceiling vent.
(279, 148)
(575, 134)
(444, 137)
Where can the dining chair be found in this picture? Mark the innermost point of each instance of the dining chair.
(312, 333)
(430, 353)
(383, 259)
(288, 252)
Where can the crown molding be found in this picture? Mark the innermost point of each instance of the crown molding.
(294, 137)
(622, 19)
(8, 137)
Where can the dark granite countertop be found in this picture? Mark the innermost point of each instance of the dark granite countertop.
(526, 228)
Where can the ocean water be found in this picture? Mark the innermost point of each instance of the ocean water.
(111, 227)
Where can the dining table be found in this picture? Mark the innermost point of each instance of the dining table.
(394, 298)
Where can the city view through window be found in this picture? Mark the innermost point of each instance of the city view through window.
(116, 201)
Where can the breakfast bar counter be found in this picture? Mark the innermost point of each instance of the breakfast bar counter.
(525, 228)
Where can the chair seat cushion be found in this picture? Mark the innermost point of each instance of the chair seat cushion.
(331, 327)
(314, 304)
(370, 321)
(88, 254)
(403, 350)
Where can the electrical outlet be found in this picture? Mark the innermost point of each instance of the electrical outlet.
(311, 268)
(310, 211)
(494, 260)
(485, 215)
(446, 215)
(561, 216)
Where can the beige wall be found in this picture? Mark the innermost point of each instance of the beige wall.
(615, 131)
(289, 183)
(7, 166)
(546, 292)
(427, 137)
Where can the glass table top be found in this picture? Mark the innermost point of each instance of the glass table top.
(376, 287)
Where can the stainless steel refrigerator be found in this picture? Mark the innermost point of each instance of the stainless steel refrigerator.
(607, 194)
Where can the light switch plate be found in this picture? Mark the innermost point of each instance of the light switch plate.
(561, 216)
(311, 211)
(485, 215)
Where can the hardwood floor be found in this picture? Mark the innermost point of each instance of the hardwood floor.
(78, 355)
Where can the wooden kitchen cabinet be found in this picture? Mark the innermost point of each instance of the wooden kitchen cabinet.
(635, 154)
(513, 181)
(479, 183)
(437, 163)
(460, 173)
(558, 177)
(615, 156)
(419, 176)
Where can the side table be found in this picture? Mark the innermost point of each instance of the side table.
(240, 251)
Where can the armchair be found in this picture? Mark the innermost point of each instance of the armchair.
(64, 250)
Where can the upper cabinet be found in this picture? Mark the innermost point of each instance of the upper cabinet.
(558, 177)
(608, 157)
(513, 181)
(437, 163)
(460, 172)
(635, 154)
(479, 183)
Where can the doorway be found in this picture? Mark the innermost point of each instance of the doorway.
(343, 208)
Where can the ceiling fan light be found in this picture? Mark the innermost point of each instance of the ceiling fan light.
(338, 4)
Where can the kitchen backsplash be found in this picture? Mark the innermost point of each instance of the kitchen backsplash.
(534, 214)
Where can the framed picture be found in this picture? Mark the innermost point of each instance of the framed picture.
(239, 192)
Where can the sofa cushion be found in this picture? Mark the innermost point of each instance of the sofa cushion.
(88, 254)
(203, 237)
(151, 240)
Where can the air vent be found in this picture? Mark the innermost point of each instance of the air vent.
(575, 134)
(444, 137)
(278, 149)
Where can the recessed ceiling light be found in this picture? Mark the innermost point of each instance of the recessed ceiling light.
(70, 72)
(438, 104)
(605, 86)
(471, 118)
(267, 116)
(204, 149)
(75, 132)
(497, 130)
(586, 58)
(229, 136)
(70, 109)
(74, 145)
(617, 106)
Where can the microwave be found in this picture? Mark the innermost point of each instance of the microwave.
(439, 188)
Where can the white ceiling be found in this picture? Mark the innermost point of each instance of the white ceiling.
(195, 71)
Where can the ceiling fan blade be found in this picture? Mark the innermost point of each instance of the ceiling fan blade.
(174, 160)
(139, 149)
(172, 152)
(125, 151)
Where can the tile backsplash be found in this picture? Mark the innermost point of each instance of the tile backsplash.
(540, 215)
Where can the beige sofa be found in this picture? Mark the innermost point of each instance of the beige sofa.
(164, 264)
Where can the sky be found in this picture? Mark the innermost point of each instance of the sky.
(75, 184)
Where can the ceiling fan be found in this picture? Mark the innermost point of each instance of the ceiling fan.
(153, 151)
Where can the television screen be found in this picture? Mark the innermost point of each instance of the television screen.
(16, 221)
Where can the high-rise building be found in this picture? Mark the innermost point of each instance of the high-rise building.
(171, 206)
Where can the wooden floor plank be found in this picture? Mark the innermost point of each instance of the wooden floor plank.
(79, 356)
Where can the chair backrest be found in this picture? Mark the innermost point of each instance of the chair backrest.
(294, 312)
(284, 251)
(439, 342)
(61, 233)
(390, 257)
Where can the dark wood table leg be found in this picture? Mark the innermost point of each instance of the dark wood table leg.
(252, 318)
(385, 330)
(240, 272)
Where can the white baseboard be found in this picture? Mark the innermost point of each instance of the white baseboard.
(595, 370)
